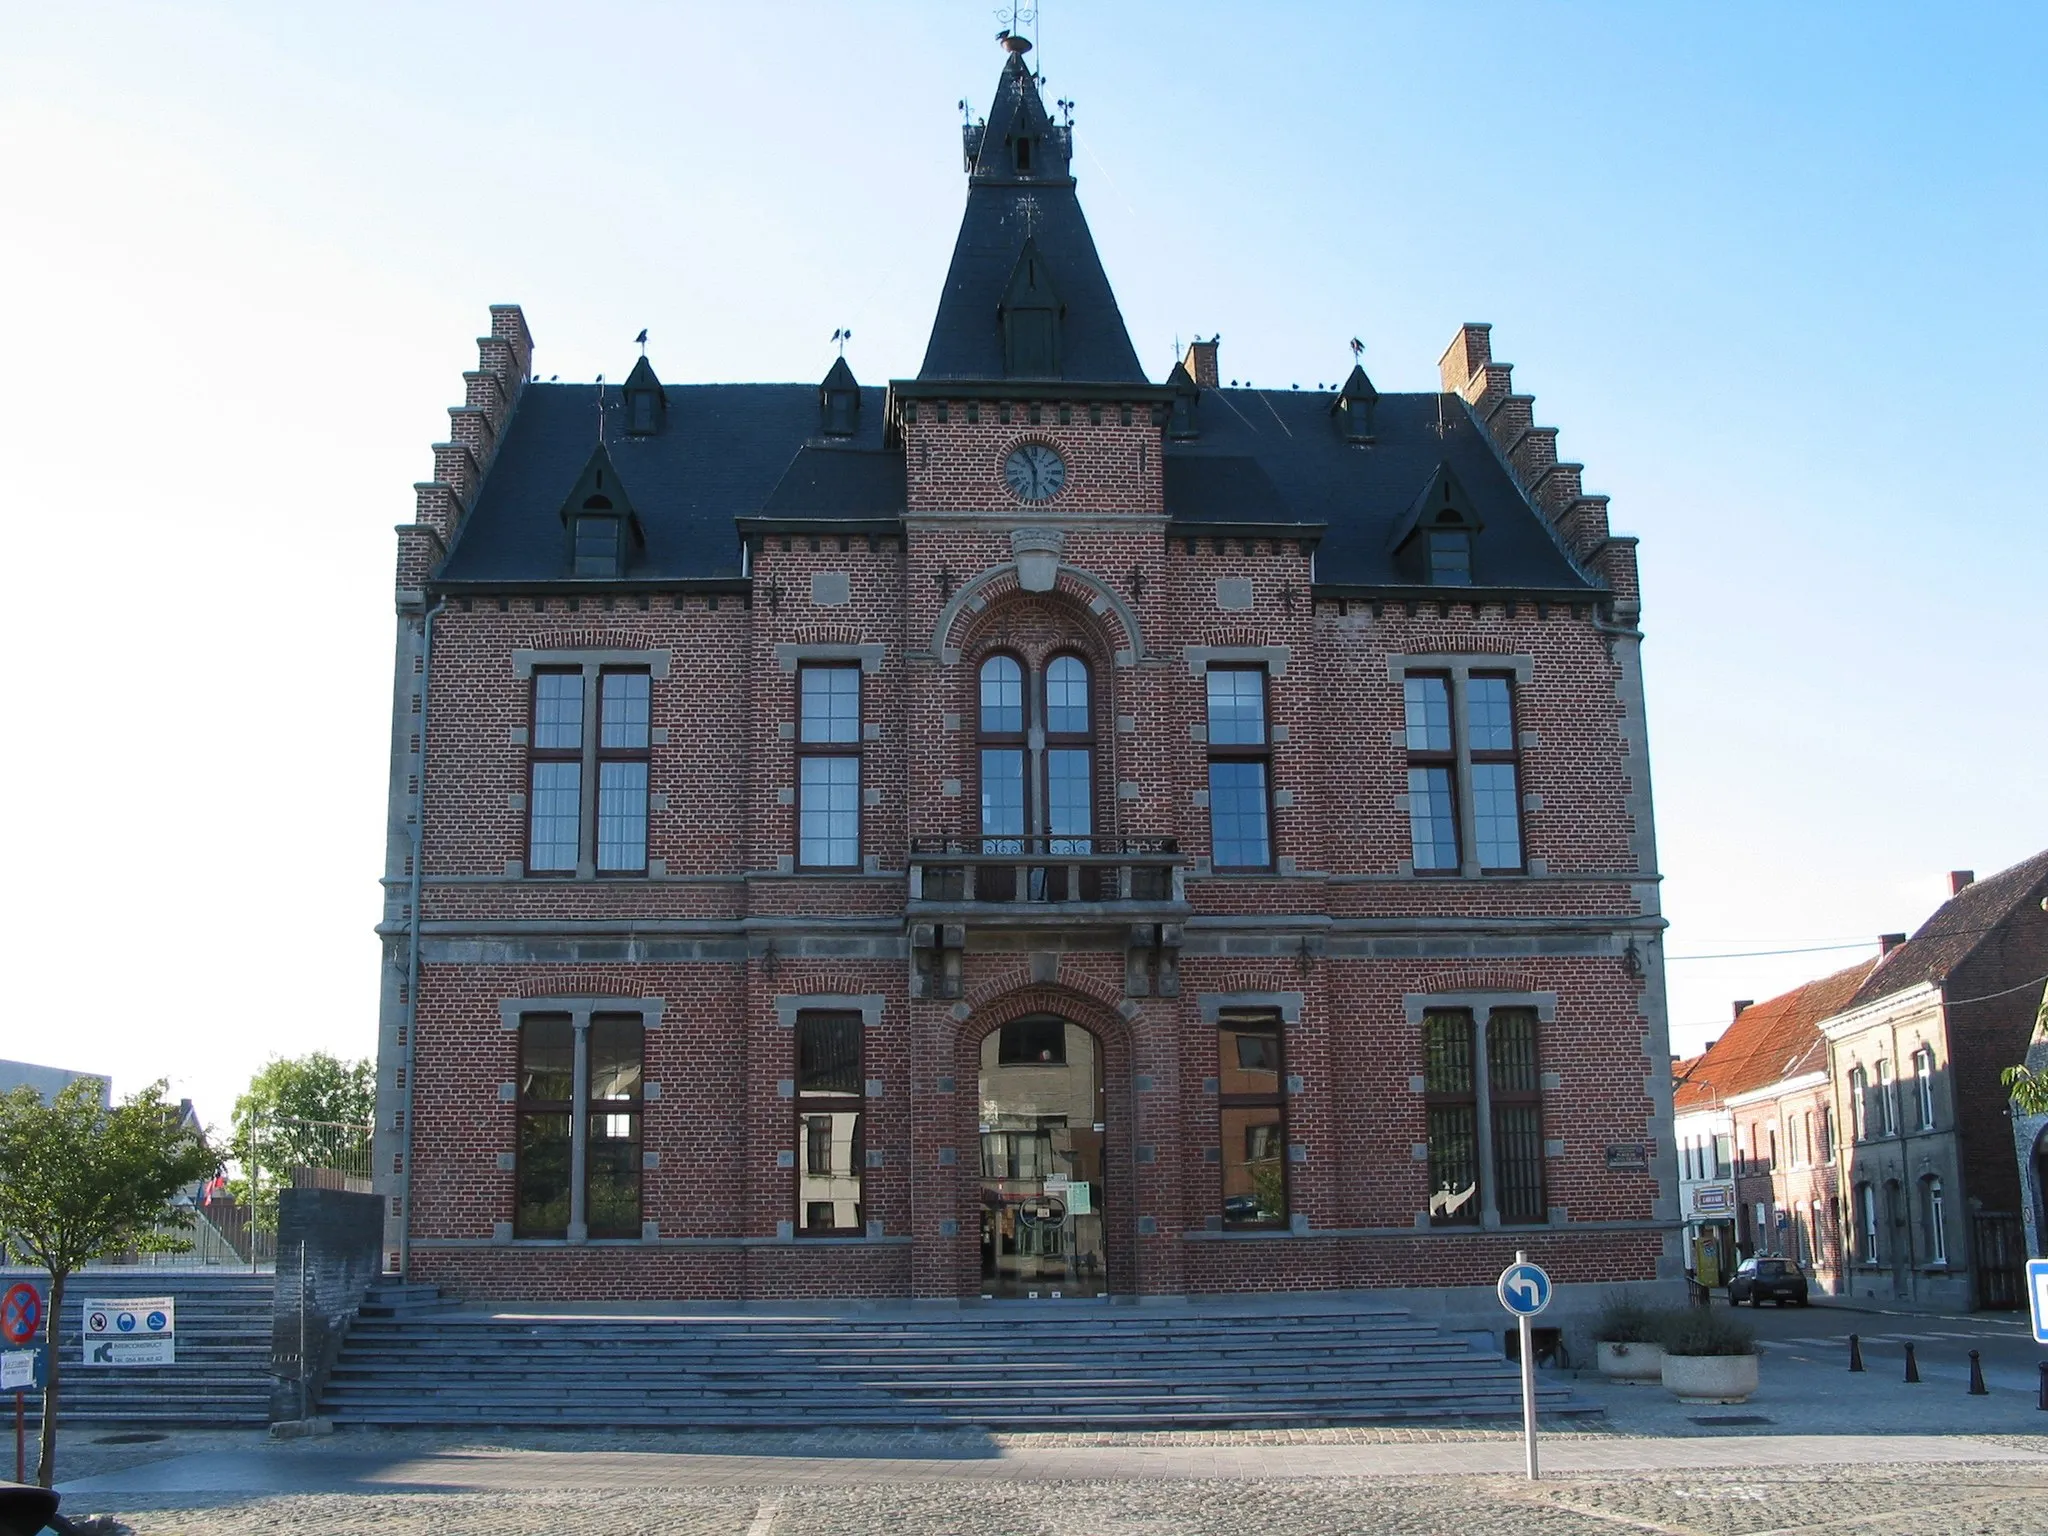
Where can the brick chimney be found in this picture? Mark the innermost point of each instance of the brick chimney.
(1742, 1003)
(1958, 878)
(1887, 942)
(1200, 362)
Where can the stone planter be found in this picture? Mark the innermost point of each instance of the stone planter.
(1636, 1363)
(1710, 1378)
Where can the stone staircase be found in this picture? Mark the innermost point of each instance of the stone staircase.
(222, 1375)
(413, 1358)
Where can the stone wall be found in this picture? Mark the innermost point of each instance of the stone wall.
(327, 1256)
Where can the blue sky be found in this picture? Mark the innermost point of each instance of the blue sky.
(1774, 272)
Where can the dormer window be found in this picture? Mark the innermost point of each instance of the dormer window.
(1023, 148)
(597, 539)
(1450, 557)
(641, 417)
(646, 401)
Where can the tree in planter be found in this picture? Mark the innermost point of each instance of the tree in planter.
(292, 1111)
(78, 1181)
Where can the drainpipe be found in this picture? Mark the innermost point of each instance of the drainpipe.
(412, 958)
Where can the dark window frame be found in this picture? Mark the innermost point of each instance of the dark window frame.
(1064, 741)
(1263, 1019)
(527, 1107)
(808, 1105)
(1445, 758)
(603, 754)
(1504, 1099)
(1454, 535)
(1511, 755)
(1018, 741)
(536, 754)
(590, 754)
(1439, 1098)
(632, 1108)
(806, 750)
(1260, 753)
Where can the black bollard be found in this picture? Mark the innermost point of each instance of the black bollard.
(1912, 1365)
(1977, 1387)
(1856, 1364)
(2043, 1404)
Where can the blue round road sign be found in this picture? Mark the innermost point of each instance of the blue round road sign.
(1524, 1288)
(21, 1313)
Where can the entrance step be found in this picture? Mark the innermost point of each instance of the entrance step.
(416, 1359)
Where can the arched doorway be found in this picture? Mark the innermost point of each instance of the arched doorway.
(1043, 1123)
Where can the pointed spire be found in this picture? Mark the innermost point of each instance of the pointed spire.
(839, 401)
(646, 400)
(1019, 141)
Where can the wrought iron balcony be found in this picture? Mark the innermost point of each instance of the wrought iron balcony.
(1023, 871)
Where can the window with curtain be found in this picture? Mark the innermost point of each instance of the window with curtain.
(1859, 1104)
(1887, 1101)
(1934, 1220)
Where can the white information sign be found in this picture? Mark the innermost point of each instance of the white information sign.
(2037, 1297)
(17, 1370)
(134, 1330)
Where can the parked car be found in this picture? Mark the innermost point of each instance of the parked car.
(1757, 1281)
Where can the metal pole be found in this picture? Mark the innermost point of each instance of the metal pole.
(20, 1443)
(302, 1328)
(1528, 1385)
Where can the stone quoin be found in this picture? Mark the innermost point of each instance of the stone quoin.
(1022, 831)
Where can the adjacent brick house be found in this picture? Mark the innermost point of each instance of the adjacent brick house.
(1025, 831)
(1927, 1169)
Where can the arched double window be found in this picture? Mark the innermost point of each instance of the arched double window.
(1037, 740)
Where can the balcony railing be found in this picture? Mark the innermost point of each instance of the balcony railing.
(957, 871)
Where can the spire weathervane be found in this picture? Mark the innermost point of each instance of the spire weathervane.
(642, 339)
(842, 336)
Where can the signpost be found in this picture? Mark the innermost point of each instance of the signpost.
(21, 1369)
(135, 1330)
(1524, 1289)
(2037, 1297)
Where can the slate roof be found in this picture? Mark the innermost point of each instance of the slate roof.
(725, 452)
(1280, 455)
(1769, 1041)
(1958, 926)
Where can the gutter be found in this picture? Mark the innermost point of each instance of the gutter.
(412, 958)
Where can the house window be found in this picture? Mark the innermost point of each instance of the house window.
(1239, 755)
(597, 543)
(1252, 1104)
(1450, 557)
(1724, 1156)
(1037, 759)
(1034, 1042)
(1827, 1133)
(1432, 770)
(579, 1162)
(828, 1100)
(1859, 1104)
(1867, 1223)
(1934, 1219)
(1772, 1164)
(1887, 1101)
(1069, 757)
(587, 789)
(1923, 1086)
(1816, 1232)
(1513, 1085)
(1486, 756)
(1450, 1080)
(828, 767)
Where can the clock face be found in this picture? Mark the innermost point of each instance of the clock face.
(1035, 472)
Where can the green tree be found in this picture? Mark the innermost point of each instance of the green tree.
(296, 1112)
(78, 1181)
(2029, 1089)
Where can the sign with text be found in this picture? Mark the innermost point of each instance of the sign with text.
(2037, 1297)
(21, 1370)
(135, 1330)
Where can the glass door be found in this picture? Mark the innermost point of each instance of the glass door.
(1041, 1162)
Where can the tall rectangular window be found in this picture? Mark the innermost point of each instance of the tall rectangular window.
(571, 830)
(1887, 1101)
(1252, 1104)
(1514, 1085)
(547, 1089)
(829, 1094)
(1496, 795)
(1450, 1082)
(1239, 757)
(828, 767)
(1432, 769)
(1923, 1086)
(555, 773)
(613, 1151)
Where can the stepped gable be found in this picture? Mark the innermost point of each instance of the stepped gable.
(1955, 931)
(1279, 456)
(723, 453)
(1771, 1041)
(1011, 200)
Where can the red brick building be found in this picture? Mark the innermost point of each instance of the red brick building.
(1025, 830)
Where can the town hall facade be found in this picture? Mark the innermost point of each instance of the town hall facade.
(1027, 831)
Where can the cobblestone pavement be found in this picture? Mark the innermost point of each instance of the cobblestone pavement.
(1893, 1499)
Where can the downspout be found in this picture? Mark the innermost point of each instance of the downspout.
(412, 958)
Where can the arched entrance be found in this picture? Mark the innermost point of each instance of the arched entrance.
(1043, 1124)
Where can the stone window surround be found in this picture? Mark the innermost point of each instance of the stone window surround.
(1481, 1006)
(1460, 666)
(593, 661)
(512, 1012)
(789, 657)
(1274, 658)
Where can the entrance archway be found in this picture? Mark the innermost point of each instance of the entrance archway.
(1043, 1125)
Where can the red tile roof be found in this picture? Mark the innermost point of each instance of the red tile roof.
(1768, 1042)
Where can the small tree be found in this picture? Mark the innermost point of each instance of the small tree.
(291, 1106)
(78, 1181)
(2029, 1089)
